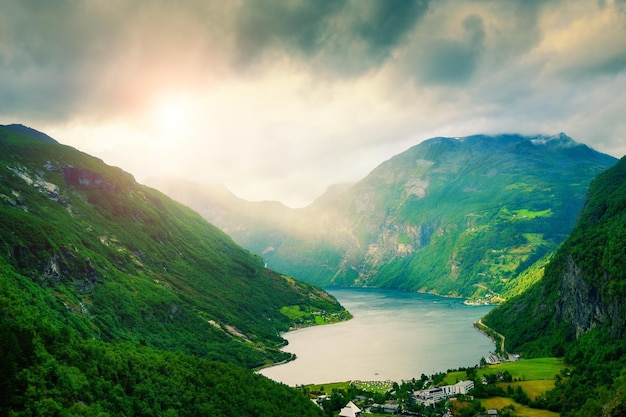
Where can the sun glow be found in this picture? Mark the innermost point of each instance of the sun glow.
(172, 113)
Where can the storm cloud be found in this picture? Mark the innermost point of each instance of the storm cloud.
(280, 99)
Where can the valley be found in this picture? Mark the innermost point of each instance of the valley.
(311, 208)
(118, 299)
(461, 217)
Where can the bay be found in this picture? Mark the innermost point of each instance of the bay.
(394, 335)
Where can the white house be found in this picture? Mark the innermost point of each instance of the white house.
(463, 387)
(350, 410)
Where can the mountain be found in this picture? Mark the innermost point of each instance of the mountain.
(28, 131)
(578, 308)
(454, 216)
(109, 288)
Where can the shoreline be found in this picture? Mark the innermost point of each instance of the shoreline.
(286, 343)
(466, 301)
(427, 304)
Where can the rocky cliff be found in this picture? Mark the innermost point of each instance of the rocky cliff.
(581, 305)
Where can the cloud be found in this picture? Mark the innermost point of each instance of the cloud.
(294, 26)
(279, 99)
(98, 58)
(339, 38)
(449, 61)
(584, 42)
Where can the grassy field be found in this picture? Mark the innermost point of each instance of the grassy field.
(532, 388)
(528, 369)
(520, 410)
(454, 377)
(528, 214)
(329, 386)
(535, 377)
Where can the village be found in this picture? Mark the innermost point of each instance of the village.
(493, 388)
(427, 398)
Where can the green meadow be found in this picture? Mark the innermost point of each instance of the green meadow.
(533, 388)
(534, 377)
(517, 409)
(528, 369)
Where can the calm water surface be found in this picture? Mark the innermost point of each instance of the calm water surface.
(394, 335)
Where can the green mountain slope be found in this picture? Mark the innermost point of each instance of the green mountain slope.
(92, 260)
(455, 216)
(578, 308)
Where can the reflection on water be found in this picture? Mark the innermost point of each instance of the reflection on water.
(394, 335)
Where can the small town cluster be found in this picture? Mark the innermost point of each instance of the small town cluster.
(427, 397)
(432, 396)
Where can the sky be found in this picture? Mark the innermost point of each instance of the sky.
(279, 99)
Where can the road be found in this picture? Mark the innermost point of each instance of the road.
(484, 326)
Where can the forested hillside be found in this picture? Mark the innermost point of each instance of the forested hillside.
(115, 299)
(454, 216)
(578, 309)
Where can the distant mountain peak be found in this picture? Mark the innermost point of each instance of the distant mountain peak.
(560, 140)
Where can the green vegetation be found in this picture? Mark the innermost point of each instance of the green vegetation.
(576, 310)
(528, 214)
(533, 388)
(116, 300)
(452, 377)
(515, 388)
(513, 408)
(311, 316)
(528, 369)
(526, 279)
(479, 219)
(49, 369)
(456, 217)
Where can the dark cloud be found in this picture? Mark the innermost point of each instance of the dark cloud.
(295, 25)
(386, 22)
(42, 57)
(450, 61)
(338, 37)
(611, 64)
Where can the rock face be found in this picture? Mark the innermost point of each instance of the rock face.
(580, 304)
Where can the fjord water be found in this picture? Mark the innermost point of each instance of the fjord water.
(394, 335)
